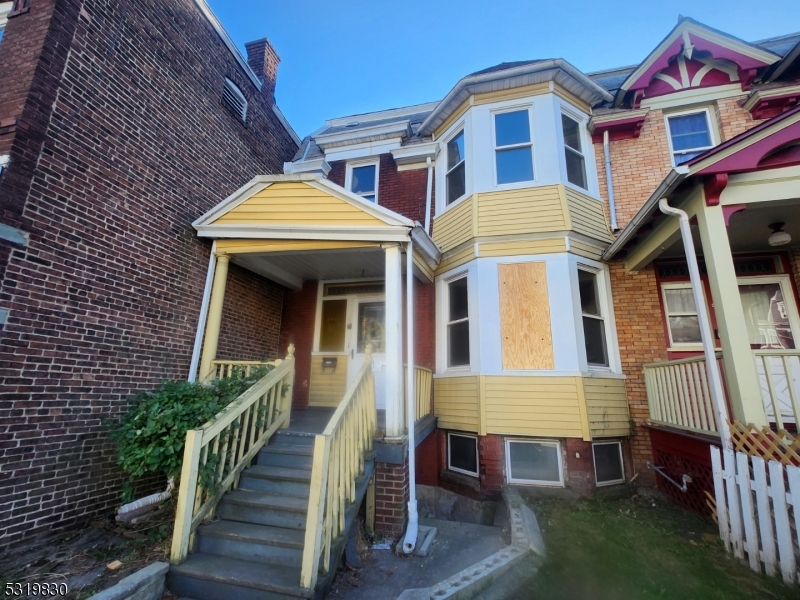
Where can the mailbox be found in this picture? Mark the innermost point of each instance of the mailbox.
(329, 362)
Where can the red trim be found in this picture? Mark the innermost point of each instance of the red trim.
(729, 211)
(766, 108)
(713, 186)
(624, 129)
(746, 76)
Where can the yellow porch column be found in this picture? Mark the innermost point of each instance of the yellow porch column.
(214, 315)
(740, 366)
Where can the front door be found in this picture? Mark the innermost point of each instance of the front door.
(368, 326)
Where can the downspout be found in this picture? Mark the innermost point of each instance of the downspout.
(612, 207)
(201, 321)
(428, 197)
(410, 540)
(712, 368)
(146, 501)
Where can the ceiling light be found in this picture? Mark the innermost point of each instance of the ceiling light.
(779, 237)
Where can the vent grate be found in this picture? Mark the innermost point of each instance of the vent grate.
(234, 100)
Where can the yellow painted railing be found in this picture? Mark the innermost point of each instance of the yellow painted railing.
(678, 394)
(338, 462)
(216, 454)
(423, 379)
(779, 373)
(221, 369)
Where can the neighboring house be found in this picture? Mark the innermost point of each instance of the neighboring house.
(120, 123)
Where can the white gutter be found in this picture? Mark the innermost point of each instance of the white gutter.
(428, 197)
(712, 368)
(612, 208)
(201, 321)
(410, 540)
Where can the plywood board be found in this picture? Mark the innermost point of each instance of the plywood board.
(526, 337)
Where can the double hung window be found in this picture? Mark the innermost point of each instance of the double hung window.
(457, 323)
(512, 147)
(456, 169)
(593, 316)
(363, 180)
(573, 152)
(690, 135)
(681, 312)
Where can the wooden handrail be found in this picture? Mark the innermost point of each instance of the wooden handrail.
(423, 379)
(338, 461)
(217, 453)
(220, 369)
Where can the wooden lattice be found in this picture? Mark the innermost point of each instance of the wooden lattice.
(711, 502)
(764, 442)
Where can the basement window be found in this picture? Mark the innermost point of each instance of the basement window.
(608, 467)
(234, 100)
(462, 453)
(534, 462)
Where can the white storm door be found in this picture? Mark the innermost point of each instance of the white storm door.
(367, 325)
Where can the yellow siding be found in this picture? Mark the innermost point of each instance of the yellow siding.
(296, 203)
(585, 250)
(423, 266)
(456, 259)
(530, 210)
(587, 216)
(237, 246)
(535, 89)
(454, 226)
(522, 248)
(327, 388)
(607, 405)
(456, 402)
(533, 406)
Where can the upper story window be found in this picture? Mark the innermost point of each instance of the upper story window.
(594, 318)
(234, 100)
(457, 323)
(362, 179)
(683, 323)
(573, 152)
(5, 8)
(456, 168)
(512, 147)
(690, 135)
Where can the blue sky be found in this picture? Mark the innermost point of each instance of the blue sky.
(343, 57)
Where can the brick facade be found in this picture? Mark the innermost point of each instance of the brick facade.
(391, 497)
(108, 172)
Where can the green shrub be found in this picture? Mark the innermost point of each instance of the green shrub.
(150, 437)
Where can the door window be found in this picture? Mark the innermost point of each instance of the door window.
(766, 316)
(371, 326)
(332, 326)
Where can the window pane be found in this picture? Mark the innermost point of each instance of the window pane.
(370, 197)
(463, 453)
(512, 128)
(682, 158)
(680, 300)
(456, 183)
(689, 131)
(608, 463)
(766, 316)
(458, 300)
(455, 151)
(572, 136)
(332, 327)
(458, 344)
(514, 165)
(576, 169)
(534, 462)
(587, 283)
(371, 330)
(685, 330)
(595, 335)
(363, 180)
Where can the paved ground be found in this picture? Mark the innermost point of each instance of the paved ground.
(384, 575)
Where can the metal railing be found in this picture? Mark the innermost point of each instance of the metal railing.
(217, 453)
(338, 461)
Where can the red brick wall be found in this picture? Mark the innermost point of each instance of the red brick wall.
(104, 300)
(580, 469)
(391, 497)
(428, 460)
(299, 308)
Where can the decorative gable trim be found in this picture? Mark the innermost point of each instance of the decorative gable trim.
(765, 104)
(620, 126)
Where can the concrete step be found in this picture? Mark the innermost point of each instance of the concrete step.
(256, 543)
(291, 438)
(263, 508)
(277, 480)
(207, 577)
(286, 455)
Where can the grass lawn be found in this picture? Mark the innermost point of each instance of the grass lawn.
(639, 548)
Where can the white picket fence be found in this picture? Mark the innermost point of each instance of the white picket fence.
(757, 515)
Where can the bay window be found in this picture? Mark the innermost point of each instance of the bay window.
(594, 318)
(512, 147)
(456, 179)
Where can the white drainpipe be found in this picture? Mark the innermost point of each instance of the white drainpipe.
(712, 368)
(410, 540)
(148, 500)
(201, 321)
(612, 207)
(428, 197)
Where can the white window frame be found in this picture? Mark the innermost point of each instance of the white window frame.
(348, 177)
(477, 454)
(511, 184)
(511, 479)
(621, 462)
(712, 131)
(581, 127)
(461, 129)
(605, 315)
(447, 322)
(676, 286)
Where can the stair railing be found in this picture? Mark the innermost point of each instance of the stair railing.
(221, 369)
(338, 462)
(215, 454)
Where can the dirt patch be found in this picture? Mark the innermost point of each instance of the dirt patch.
(79, 559)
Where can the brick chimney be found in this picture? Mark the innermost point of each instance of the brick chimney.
(263, 59)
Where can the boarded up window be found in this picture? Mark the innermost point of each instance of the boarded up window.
(525, 316)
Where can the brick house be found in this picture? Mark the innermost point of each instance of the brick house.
(110, 148)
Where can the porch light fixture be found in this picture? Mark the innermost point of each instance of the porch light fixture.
(778, 237)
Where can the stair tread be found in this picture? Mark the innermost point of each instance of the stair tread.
(283, 473)
(289, 449)
(250, 532)
(264, 576)
(267, 500)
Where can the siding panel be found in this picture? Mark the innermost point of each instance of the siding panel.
(530, 210)
(587, 216)
(454, 227)
(456, 402)
(327, 388)
(607, 405)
